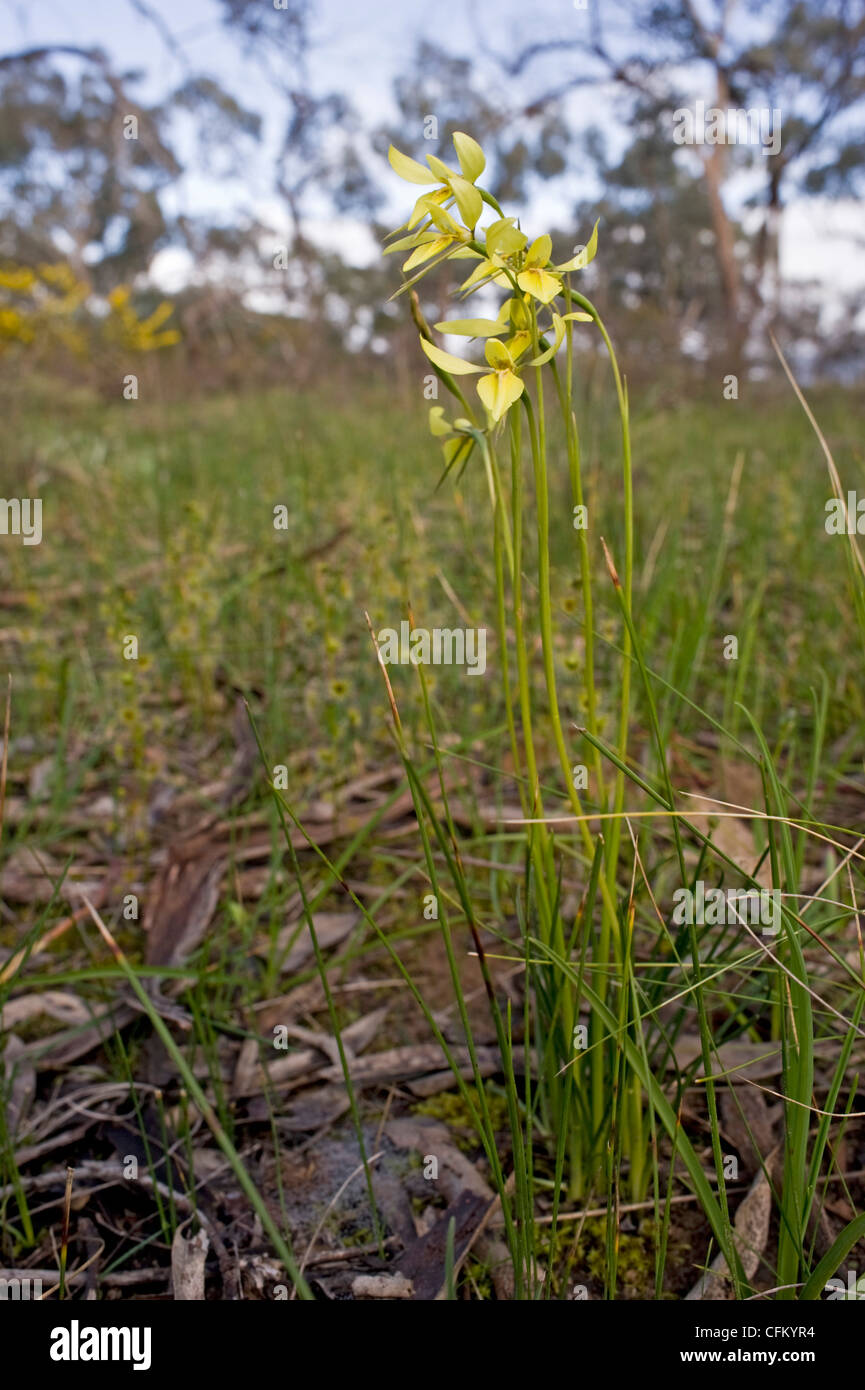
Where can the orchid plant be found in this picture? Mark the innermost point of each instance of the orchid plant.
(592, 1096)
(456, 219)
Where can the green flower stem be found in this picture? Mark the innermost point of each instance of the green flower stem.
(573, 444)
(609, 923)
(502, 623)
(628, 572)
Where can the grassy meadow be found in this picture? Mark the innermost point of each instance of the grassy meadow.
(184, 792)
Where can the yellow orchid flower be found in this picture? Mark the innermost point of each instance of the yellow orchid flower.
(498, 389)
(513, 314)
(533, 278)
(447, 182)
(502, 387)
(503, 240)
(503, 262)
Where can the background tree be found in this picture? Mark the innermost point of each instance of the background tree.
(806, 60)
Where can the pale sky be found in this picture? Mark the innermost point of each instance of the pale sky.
(359, 46)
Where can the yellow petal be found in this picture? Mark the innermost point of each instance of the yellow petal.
(469, 201)
(409, 169)
(440, 169)
(497, 355)
(442, 219)
(559, 329)
(426, 252)
(583, 257)
(470, 156)
(485, 271)
(520, 316)
(538, 254)
(540, 284)
(424, 203)
(504, 238)
(406, 242)
(446, 361)
(470, 328)
(517, 344)
(498, 391)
